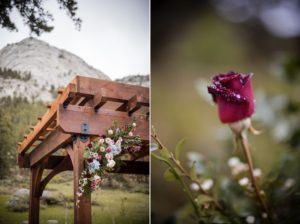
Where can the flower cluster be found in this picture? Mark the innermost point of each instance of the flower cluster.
(101, 155)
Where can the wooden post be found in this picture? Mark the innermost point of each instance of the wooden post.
(34, 200)
(82, 211)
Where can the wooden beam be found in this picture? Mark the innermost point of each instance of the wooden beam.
(64, 165)
(113, 90)
(72, 118)
(48, 117)
(52, 143)
(133, 167)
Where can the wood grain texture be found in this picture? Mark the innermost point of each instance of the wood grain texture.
(71, 119)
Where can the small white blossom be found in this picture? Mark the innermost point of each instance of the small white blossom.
(108, 140)
(233, 162)
(134, 124)
(102, 149)
(207, 184)
(79, 194)
(111, 163)
(289, 183)
(101, 140)
(257, 172)
(194, 187)
(244, 181)
(264, 215)
(250, 219)
(241, 167)
(110, 131)
(130, 134)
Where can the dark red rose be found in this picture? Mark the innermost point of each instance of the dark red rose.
(90, 160)
(90, 145)
(88, 175)
(108, 149)
(234, 96)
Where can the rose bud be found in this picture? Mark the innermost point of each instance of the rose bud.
(90, 145)
(233, 94)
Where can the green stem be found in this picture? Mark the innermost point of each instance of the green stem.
(183, 184)
(261, 200)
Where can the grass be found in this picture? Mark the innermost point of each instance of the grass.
(108, 206)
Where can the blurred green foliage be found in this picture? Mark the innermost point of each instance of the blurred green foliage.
(16, 116)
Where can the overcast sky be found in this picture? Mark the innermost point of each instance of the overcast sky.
(114, 37)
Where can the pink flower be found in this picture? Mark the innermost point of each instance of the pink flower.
(234, 96)
(99, 157)
(109, 156)
(108, 149)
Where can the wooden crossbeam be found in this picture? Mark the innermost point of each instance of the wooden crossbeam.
(111, 90)
(48, 117)
(135, 167)
(99, 91)
(72, 118)
(52, 143)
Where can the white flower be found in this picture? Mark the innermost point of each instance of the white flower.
(111, 163)
(194, 187)
(244, 181)
(289, 183)
(102, 149)
(109, 156)
(97, 177)
(101, 140)
(134, 124)
(110, 132)
(108, 140)
(119, 142)
(257, 172)
(241, 167)
(207, 184)
(250, 219)
(264, 215)
(79, 194)
(130, 134)
(84, 181)
(233, 162)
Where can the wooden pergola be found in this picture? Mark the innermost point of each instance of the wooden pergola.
(83, 110)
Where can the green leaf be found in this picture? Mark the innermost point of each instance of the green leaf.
(179, 147)
(158, 157)
(170, 175)
(193, 171)
(164, 152)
